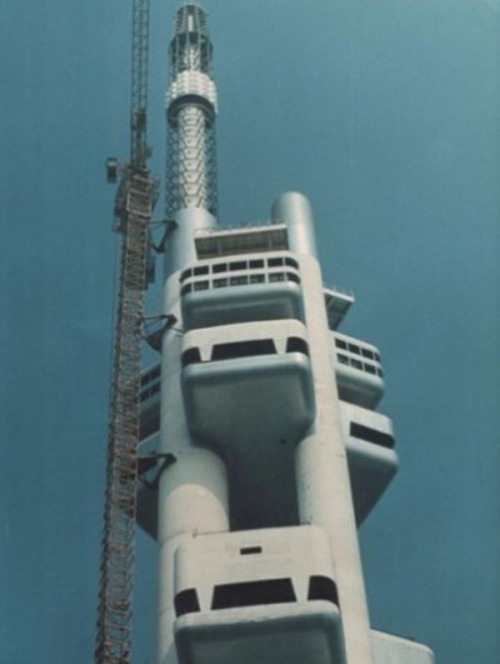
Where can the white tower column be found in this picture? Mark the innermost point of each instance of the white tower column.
(193, 489)
(323, 484)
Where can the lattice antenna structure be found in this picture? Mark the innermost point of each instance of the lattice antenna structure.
(191, 111)
(134, 204)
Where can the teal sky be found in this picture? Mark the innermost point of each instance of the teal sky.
(386, 114)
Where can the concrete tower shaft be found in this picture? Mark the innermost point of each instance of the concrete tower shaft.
(266, 428)
(191, 110)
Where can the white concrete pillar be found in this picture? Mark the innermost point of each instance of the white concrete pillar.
(193, 494)
(322, 473)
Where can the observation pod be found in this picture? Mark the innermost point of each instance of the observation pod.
(287, 612)
(249, 398)
(248, 288)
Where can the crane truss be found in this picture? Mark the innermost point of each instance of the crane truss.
(133, 209)
(113, 644)
(139, 98)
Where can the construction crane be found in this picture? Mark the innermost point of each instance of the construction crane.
(135, 199)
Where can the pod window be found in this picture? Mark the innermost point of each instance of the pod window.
(253, 593)
(321, 587)
(296, 345)
(186, 602)
(275, 262)
(239, 265)
(371, 435)
(190, 356)
(237, 349)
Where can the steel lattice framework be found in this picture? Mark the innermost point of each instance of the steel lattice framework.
(192, 108)
(133, 208)
(139, 97)
(192, 169)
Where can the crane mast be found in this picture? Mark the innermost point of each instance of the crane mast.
(134, 204)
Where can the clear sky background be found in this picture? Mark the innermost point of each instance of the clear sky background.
(386, 114)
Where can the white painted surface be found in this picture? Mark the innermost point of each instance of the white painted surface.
(321, 464)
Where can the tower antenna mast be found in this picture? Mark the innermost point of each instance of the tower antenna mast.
(135, 199)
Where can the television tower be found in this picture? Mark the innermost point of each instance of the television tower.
(261, 447)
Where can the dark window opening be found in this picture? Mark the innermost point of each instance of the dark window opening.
(380, 372)
(293, 277)
(201, 285)
(369, 368)
(220, 283)
(343, 359)
(185, 275)
(371, 435)
(150, 391)
(275, 262)
(292, 262)
(253, 593)
(190, 356)
(250, 550)
(356, 364)
(219, 267)
(367, 353)
(256, 264)
(238, 281)
(240, 265)
(341, 344)
(186, 289)
(203, 269)
(276, 276)
(186, 602)
(354, 349)
(151, 375)
(257, 278)
(321, 587)
(376, 356)
(237, 349)
(149, 424)
(296, 345)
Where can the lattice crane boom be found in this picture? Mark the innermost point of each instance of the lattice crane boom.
(139, 151)
(134, 204)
